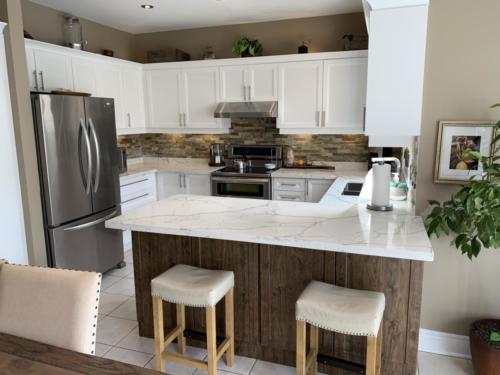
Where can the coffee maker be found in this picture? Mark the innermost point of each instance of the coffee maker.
(216, 155)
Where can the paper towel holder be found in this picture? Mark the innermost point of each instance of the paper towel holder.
(389, 207)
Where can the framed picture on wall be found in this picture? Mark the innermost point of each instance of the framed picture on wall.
(455, 140)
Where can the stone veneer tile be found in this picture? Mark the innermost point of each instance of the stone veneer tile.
(252, 131)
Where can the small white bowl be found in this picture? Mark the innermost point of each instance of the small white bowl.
(270, 165)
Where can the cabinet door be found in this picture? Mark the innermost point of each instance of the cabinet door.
(263, 82)
(233, 83)
(316, 189)
(198, 184)
(163, 95)
(344, 95)
(84, 75)
(300, 94)
(32, 73)
(54, 70)
(133, 99)
(200, 90)
(168, 184)
(109, 85)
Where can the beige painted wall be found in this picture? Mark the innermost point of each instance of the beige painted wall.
(279, 37)
(462, 79)
(46, 24)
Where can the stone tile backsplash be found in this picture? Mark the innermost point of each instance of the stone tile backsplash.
(252, 131)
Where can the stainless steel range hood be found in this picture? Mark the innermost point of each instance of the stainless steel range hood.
(246, 110)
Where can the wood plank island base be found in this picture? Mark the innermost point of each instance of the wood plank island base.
(268, 281)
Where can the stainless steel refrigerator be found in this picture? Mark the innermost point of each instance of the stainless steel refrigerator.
(79, 180)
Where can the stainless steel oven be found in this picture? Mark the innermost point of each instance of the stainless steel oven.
(246, 187)
(248, 172)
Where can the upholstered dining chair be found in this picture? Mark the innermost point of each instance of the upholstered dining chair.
(52, 306)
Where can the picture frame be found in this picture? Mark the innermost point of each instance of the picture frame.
(455, 140)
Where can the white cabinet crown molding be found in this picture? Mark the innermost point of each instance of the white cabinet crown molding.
(256, 60)
(36, 44)
(387, 4)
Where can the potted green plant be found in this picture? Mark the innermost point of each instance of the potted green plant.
(472, 218)
(246, 47)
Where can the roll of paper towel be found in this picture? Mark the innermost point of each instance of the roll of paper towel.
(381, 184)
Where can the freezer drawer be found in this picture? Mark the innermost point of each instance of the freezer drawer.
(86, 244)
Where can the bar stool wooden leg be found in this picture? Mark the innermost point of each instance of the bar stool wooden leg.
(181, 322)
(211, 341)
(371, 355)
(159, 334)
(301, 348)
(314, 347)
(229, 300)
(379, 349)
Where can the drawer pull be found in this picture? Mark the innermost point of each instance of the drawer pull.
(285, 184)
(136, 198)
(134, 182)
(288, 198)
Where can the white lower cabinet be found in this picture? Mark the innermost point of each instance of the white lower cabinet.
(171, 183)
(136, 191)
(300, 189)
(197, 184)
(316, 189)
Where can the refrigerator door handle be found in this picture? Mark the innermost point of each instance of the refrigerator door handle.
(89, 153)
(91, 223)
(97, 177)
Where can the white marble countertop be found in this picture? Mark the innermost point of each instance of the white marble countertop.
(173, 165)
(319, 174)
(347, 227)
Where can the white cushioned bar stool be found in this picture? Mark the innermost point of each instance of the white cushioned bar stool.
(342, 310)
(196, 287)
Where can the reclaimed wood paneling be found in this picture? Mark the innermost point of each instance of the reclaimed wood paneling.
(268, 281)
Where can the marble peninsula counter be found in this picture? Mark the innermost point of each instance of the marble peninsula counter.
(275, 249)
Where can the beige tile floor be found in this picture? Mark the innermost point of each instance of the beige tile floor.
(118, 338)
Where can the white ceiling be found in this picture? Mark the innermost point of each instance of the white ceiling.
(127, 15)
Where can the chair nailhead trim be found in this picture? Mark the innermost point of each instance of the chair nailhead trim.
(335, 330)
(170, 300)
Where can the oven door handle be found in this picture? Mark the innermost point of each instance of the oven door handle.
(241, 180)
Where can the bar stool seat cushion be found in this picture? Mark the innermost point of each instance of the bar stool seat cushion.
(342, 310)
(192, 286)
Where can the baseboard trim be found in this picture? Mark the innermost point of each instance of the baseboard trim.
(444, 343)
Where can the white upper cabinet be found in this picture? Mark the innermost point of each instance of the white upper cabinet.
(234, 83)
(242, 83)
(317, 93)
(32, 73)
(84, 75)
(49, 70)
(395, 74)
(109, 85)
(133, 99)
(323, 97)
(184, 100)
(300, 95)
(164, 98)
(263, 82)
(200, 94)
(344, 95)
